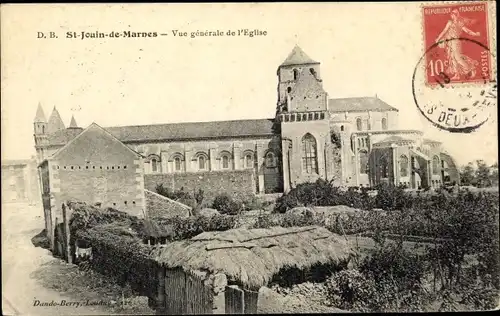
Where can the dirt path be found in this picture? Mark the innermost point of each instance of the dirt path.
(20, 292)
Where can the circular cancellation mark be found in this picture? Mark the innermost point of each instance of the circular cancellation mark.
(458, 102)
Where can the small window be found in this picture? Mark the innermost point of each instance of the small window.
(125, 202)
(289, 89)
(359, 124)
(202, 163)
(403, 166)
(270, 160)
(384, 123)
(93, 167)
(86, 167)
(248, 161)
(316, 116)
(177, 164)
(313, 72)
(341, 128)
(322, 116)
(304, 117)
(107, 167)
(295, 74)
(114, 204)
(113, 167)
(71, 167)
(299, 117)
(100, 167)
(154, 165)
(225, 162)
(64, 167)
(79, 167)
(287, 118)
(133, 202)
(292, 118)
(124, 167)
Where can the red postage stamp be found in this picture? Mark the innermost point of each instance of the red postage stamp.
(457, 43)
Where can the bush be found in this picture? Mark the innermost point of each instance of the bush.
(390, 197)
(350, 290)
(178, 228)
(226, 205)
(122, 258)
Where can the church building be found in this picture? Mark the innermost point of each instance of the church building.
(351, 141)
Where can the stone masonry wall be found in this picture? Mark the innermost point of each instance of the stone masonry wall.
(240, 184)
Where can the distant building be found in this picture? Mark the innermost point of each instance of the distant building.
(20, 182)
(352, 141)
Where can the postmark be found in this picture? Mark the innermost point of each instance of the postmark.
(461, 61)
(454, 82)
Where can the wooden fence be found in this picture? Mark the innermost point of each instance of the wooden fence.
(240, 301)
(183, 293)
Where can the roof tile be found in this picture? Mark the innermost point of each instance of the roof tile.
(358, 105)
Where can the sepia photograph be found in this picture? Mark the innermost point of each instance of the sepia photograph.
(249, 158)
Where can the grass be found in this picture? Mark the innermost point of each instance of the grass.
(69, 280)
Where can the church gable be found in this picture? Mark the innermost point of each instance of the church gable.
(95, 145)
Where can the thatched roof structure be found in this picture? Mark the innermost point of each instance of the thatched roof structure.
(252, 257)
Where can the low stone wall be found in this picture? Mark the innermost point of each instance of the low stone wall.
(160, 206)
(240, 184)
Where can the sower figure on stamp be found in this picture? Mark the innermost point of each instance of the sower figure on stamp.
(458, 63)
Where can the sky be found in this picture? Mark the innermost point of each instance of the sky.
(365, 50)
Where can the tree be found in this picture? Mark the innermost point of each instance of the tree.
(467, 174)
(482, 174)
(494, 174)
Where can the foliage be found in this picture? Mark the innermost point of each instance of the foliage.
(123, 258)
(323, 193)
(254, 203)
(85, 216)
(335, 139)
(194, 200)
(226, 205)
(178, 228)
(390, 197)
(41, 240)
(479, 174)
(350, 290)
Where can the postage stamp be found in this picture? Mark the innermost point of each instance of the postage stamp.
(460, 35)
(454, 85)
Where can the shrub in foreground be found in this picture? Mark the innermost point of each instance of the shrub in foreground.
(226, 205)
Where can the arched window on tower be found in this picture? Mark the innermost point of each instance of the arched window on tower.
(43, 129)
(309, 154)
(313, 72)
(359, 124)
(295, 74)
(363, 162)
(384, 123)
(435, 165)
(403, 166)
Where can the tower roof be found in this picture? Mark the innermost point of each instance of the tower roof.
(73, 124)
(40, 115)
(298, 57)
(55, 122)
